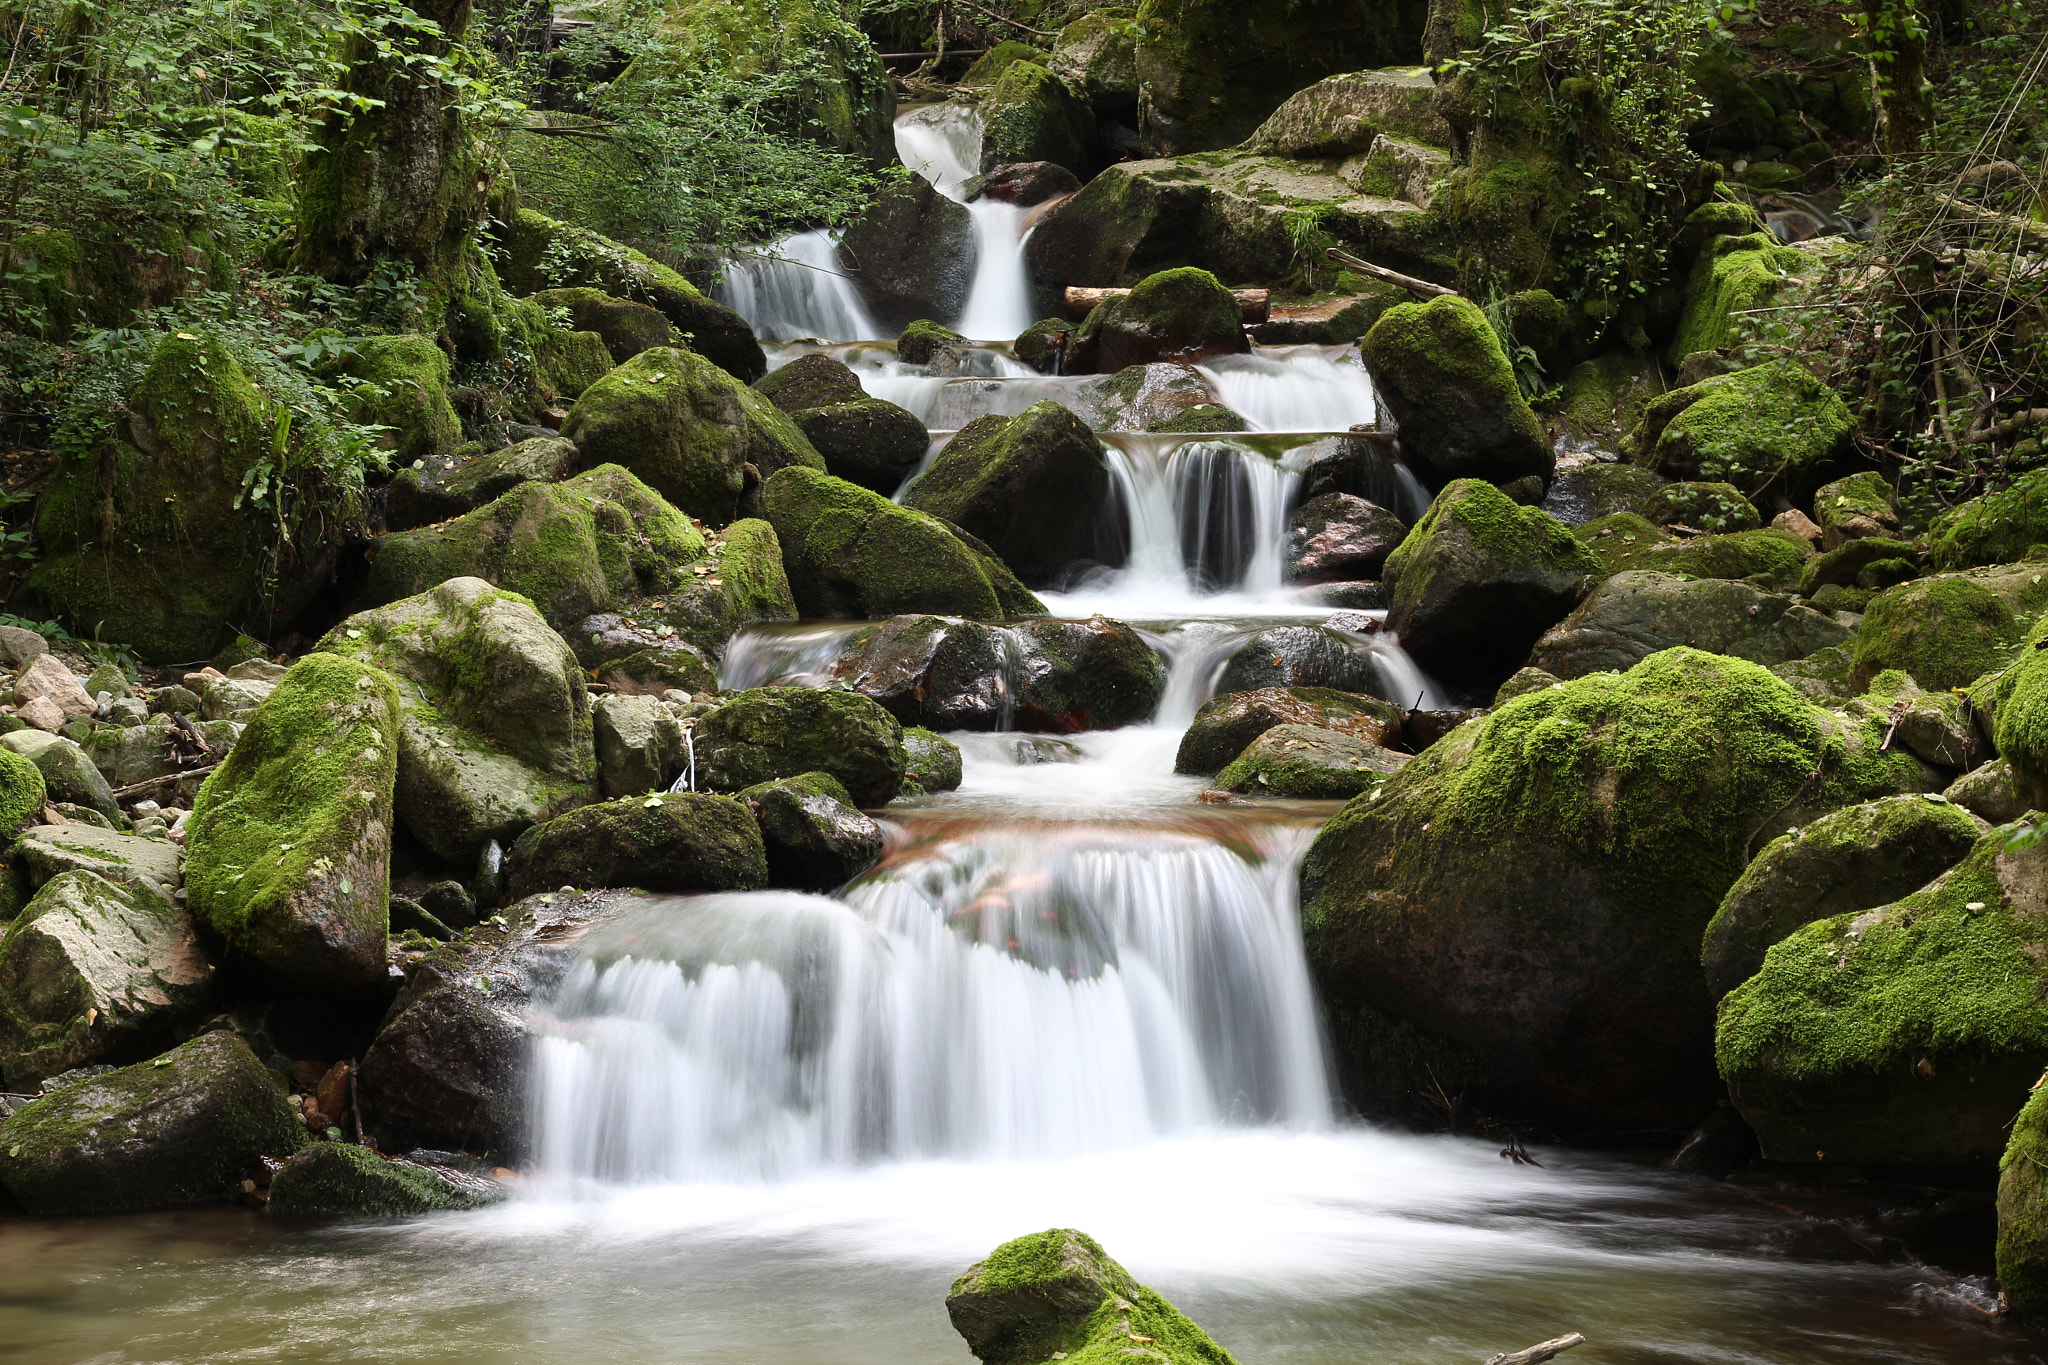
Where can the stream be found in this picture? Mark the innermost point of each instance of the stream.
(773, 1127)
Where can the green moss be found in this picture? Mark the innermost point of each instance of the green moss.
(22, 794)
(1492, 522)
(400, 382)
(1703, 506)
(921, 339)
(1743, 554)
(1180, 314)
(668, 841)
(1731, 276)
(931, 763)
(1846, 562)
(1858, 505)
(767, 733)
(2023, 1210)
(998, 59)
(1943, 631)
(1440, 369)
(1604, 397)
(1749, 428)
(1997, 528)
(1309, 763)
(340, 1179)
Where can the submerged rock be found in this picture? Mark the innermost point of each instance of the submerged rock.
(1228, 724)
(342, 1180)
(815, 838)
(666, 841)
(183, 1129)
(1308, 761)
(1633, 615)
(775, 732)
(1441, 372)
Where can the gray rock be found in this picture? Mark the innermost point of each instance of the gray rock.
(1633, 615)
(1341, 538)
(1342, 115)
(639, 744)
(1587, 492)
(69, 774)
(1299, 656)
(815, 838)
(48, 851)
(130, 754)
(18, 646)
(234, 698)
(1988, 793)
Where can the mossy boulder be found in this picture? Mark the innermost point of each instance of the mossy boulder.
(1773, 555)
(2023, 1210)
(1184, 315)
(1703, 507)
(687, 428)
(1847, 861)
(1479, 578)
(1905, 1035)
(1855, 507)
(1846, 563)
(912, 252)
(1343, 115)
(810, 381)
(92, 971)
(1097, 56)
(1031, 114)
(1198, 418)
(922, 341)
(816, 839)
(290, 838)
(22, 794)
(399, 382)
(151, 540)
(665, 841)
(627, 327)
(69, 773)
(185, 1128)
(540, 253)
(442, 489)
(931, 762)
(1730, 276)
(1035, 488)
(863, 440)
(342, 1180)
(1639, 612)
(1602, 399)
(1441, 372)
(1771, 424)
(775, 732)
(1056, 1295)
(573, 549)
(1944, 632)
(494, 730)
(998, 59)
(1994, 529)
(850, 552)
(1308, 762)
(1227, 725)
(1537, 951)
(1093, 674)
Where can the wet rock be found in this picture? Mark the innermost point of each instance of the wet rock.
(1043, 344)
(1633, 615)
(1988, 793)
(46, 677)
(913, 253)
(688, 429)
(1035, 488)
(1588, 492)
(1855, 508)
(494, 730)
(668, 841)
(1362, 468)
(1227, 725)
(1309, 762)
(863, 440)
(815, 838)
(342, 1180)
(1030, 114)
(850, 552)
(92, 970)
(1479, 579)
(1199, 418)
(69, 774)
(1944, 632)
(1096, 674)
(290, 838)
(1183, 315)
(47, 851)
(182, 1129)
(1536, 946)
(445, 488)
(1338, 537)
(1847, 861)
(931, 763)
(639, 744)
(1343, 115)
(924, 342)
(1028, 183)
(1147, 398)
(1441, 372)
(1720, 1144)
(627, 327)
(773, 732)
(1298, 656)
(448, 1065)
(1057, 1294)
(1858, 1041)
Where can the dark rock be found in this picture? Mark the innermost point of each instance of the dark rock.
(1843, 563)
(1227, 725)
(1633, 615)
(1028, 182)
(1043, 345)
(774, 732)
(1030, 114)
(667, 841)
(815, 838)
(448, 1065)
(863, 440)
(1702, 506)
(924, 342)
(1441, 372)
(450, 903)
(810, 381)
(1298, 656)
(1720, 1144)
(1359, 467)
(1339, 537)
(1588, 492)
(913, 253)
(342, 1180)
(1179, 315)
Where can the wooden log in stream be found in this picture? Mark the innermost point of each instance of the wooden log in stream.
(1255, 304)
(1540, 1352)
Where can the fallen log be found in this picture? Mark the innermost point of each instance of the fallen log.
(1255, 304)
(1379, 272)
(1540, 1352)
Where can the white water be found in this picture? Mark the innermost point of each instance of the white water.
(794, 289)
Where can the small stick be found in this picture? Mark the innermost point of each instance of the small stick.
(167, 777)
(1380, 272)
(1540, 1352)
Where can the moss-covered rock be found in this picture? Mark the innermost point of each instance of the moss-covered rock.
(931, 763)
(1056, 1295)
(398, 382)
(665, 841)
(1624, 542)
(573, 549)
(444, 488)
(1538, 950)
(1845, 563)
(775, 732)
(1588, 492)
(955, 674)
(922, 340)
(1769, 424)
(1309, 762)
(92, 971)
(1184, 315)
(1479, 579)
(151, 540)
(688, 429)
(815, 838)
(1994, 529)
(993, 63)
(1197, 418)
(1343, 115)
(627, 326)
(1703, 507)
(850, 552)
(22, 794)
(1441, 372)
(1227, 725)
(1031, 114)
(1987, 792)
(183, 1129)
(494, 730)
(1603, 398)
(1098, 57)
(1944, 632)
(1855, 507)
(1906, 1035)
(1035, 488)
(290, 838)
(2023, 1210)
(1730, 276)
(867, 441)
(68, 772)
(342, 1180)
(1639, 612)
(543, 253)
(1847, 861)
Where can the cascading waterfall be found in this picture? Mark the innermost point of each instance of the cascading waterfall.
(794, 290)
(1037, 994)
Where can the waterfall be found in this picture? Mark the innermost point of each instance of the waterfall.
(1016, 994)
(794, 290)
(1296, 388)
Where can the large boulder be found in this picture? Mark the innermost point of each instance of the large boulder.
(1441, 372)
(1626, 541)
(45, 852)
(2023, 1211)
(816, 839)
(1997, 528)
(399, 383)
(1635, 614)
(573, 549)
(69, 773)
(1479, 579)
(863, 440)
(1298, 656)
(1097, 57)
(1770, 424)
(1944, 632)
(639, 744)
(1227, 725)
(1343, 115)
(447, 1068)
(1056, 1295)
(186, 1128)
(1309, 762)
(773, 732)
(1587, 492)
(667, 841)
(1906, 1035)
(1339, 538)
(688, 429)
(912, 252)
(343, 1180)
(1518, 912)
(1035, 488)
(494, 731)
(850, 552)
(1031, 114)
(440, 489)
(627, 327)
(290, 838)
(1846, 861)
(92, 970)
(1176, 315)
